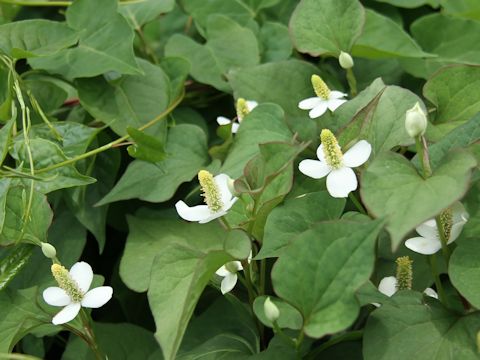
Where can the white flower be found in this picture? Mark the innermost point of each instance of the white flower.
(243, 108)
(428, 242)
(325, 99)
(217, 195)
(73, 292)
(388, 286)
(341, 179)
(229, 274)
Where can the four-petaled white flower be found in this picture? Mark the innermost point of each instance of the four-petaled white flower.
(73, 291)
(217, 196)
(325, 99)
(243, 107)
(429, 242)
(341, 179)
(229, 274)
(388, 286)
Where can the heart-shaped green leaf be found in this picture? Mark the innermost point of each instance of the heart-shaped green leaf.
(321, 271)
(392, 187)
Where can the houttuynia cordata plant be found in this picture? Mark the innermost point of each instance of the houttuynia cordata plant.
(240, 179)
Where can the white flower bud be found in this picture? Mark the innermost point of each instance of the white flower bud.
(345, 60)
(415, 121)
(271, 310)
(49, 250)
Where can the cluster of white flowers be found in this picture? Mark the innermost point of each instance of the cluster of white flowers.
(331, 163)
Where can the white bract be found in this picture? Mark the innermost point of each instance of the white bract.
(345, 60)
(388, 286)
(73, 291)
(325, 99)
(229, 274)
(243, 107)
(429, 242)
(217, 196)
(415, 121)
(272, 313)
(341, 179)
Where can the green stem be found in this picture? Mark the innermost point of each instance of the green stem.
(443, 239)
(90, 334)
(422, 151)
(248, 282)
(432, 259)
(57, 3)
(146, 46)
(263, 270)
(111, 144)
(278, 330)
(352, 82)
(357, 203)
(353, 335)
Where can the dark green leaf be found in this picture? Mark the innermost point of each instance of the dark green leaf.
(105, 43)
(321, 271)
(31, 38)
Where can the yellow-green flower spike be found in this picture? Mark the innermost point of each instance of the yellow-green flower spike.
(404, 273)
(446, 219)
(321, 89)
(331, 150)
(242, 108)
(65, 282)
(211, 192)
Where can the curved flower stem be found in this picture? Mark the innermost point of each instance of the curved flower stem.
(357, 203)
(422, 151)
(432, 259)
(248, 282)
(91, 336)
(113, 143)
(263, 269)
(352, 82)
(278, 330)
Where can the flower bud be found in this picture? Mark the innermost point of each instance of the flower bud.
(415, 121)
(345, 60)
(49, 250)
(271, 310)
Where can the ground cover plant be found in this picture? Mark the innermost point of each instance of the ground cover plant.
(239, 179)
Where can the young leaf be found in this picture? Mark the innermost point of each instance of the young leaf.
(146, 147)
(12, 263)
